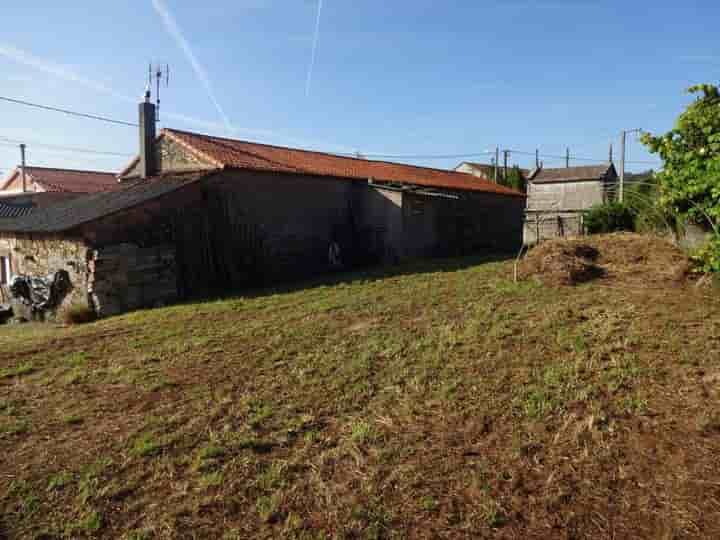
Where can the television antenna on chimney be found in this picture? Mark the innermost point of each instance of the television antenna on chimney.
(159, 73)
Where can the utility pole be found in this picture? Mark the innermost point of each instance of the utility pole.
(22, 166)
(567, 158)
(537, 158)
(497, 162)
(623, 137)
(506, 153)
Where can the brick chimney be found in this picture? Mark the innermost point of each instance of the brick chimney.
(148, 165)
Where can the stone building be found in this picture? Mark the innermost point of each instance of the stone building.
(197, 215)
(557, 198)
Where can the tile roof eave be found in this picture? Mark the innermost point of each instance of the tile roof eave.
(508, 192)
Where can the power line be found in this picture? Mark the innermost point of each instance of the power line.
(12, 142)
(68, 112)
(482, 154)
(577, 158)
(429, 156)
(377, 156)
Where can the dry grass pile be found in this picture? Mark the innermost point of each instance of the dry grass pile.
(562, 262)
(623, 256)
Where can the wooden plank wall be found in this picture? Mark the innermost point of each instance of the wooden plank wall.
(217, 249)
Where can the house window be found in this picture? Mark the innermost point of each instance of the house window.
(4, 270)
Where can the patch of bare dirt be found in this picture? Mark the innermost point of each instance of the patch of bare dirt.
(619, 256)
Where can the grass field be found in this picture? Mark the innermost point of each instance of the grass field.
(433, 400)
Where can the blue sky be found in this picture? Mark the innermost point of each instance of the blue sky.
(398, 77)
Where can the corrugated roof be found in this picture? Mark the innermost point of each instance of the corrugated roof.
(66, 180)
(86, 208)
(23, 204)
(573, 174)
(15, 210)
(236, 154)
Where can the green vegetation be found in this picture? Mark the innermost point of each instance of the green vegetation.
(642, 196)
(690, 178)
(707, 257)
(514, 179)
(17, 371)
(146, 446)
(640, 210)
(609, 217)
(73, 419)
(59, 481)
(428, 400)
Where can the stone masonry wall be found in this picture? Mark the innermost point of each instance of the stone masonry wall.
(171, 156)
(125, 277)
(42, 256)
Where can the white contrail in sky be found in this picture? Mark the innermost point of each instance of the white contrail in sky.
(316, 38)
(174, 30)
(65, 73)
(52, 68)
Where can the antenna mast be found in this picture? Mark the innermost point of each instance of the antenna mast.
(159, 72)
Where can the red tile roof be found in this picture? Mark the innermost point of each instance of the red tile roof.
(236, 154)
(66, 180)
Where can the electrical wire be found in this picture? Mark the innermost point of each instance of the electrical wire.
(430, 156)
(577, 158)
(7, 141)
(376, 156)
(68, 112)
(482, 154)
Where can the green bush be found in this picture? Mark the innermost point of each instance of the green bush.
(515, 179)
(690, 177)
(643, 197)
(609, 217)
(707, 258)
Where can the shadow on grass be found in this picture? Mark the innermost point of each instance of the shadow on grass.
(369, 273)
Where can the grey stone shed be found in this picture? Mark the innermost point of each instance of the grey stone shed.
(556, 199)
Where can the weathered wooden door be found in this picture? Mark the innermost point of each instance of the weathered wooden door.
(217, 249)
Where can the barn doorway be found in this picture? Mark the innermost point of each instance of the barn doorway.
(218, 250)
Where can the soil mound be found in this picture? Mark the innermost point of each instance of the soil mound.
(625, 256)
